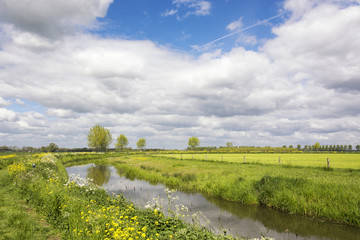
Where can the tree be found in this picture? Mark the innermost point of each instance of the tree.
(316, 146)
(52, 147)
(229, 145)
(99, 138)
(357, 147)
(121, 142)
(141, 143)
(298, 147)
(193, 142)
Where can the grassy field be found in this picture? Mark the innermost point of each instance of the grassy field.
(78, 212)
(17, 219)
(337, 160)
(332, 194)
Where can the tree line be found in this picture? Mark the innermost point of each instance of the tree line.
(99, 139)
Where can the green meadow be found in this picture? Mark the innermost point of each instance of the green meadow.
(337, 160)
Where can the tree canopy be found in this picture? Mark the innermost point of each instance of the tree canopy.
(121, 142)
(141, 143)
(193, 142)
(99, 138)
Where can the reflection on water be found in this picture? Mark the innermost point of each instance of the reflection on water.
(100, 174)
(234, 218)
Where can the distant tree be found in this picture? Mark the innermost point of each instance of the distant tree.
(193, 142)
(316, 146)
(357, 147)
(121, 142)
(99, 138)
(229, 145)
(52, 147)
(298, 147)
(284, 146)
(141, 143)
(291, 146)
(350, 148)
(306, 148)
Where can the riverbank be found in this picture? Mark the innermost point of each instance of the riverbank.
(17, 219)
(88, 212)
(329, 194)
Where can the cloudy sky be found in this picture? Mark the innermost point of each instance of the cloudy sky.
(252, 72)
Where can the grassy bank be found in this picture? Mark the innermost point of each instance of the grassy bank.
(17, 219)
(331, 194)
(88, 212)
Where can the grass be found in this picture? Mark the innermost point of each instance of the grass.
(331, 194)
(82, 212)
(18, 220)
(337, 160)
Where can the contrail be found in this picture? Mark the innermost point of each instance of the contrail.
(230, 34)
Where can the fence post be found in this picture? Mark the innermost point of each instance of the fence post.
(181, 156)
(192, 156)
(206, 156)
(328, 162)
(222, 157)
(244, 159)
(279, 161)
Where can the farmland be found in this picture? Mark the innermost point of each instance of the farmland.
(337, 160)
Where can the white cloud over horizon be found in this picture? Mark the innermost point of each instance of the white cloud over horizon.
(301, 87)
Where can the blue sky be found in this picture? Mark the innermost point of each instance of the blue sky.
(146, 20)
(169, 70)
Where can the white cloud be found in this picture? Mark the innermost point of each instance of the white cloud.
(186, 8)
(235, 25)
(4, 102)
(52, 18)
(302, 86)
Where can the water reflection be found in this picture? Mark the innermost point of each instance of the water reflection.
(237, 219)
(99, 174)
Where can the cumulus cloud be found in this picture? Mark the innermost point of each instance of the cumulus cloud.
(52, 18)
(301, 87)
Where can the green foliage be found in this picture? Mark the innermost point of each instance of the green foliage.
(193, 142)
(141, 143)
(52, 147)
(121, 142)
(99, 138)
(316, 146)
(18, 221)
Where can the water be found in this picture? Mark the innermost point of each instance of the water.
(234, 218)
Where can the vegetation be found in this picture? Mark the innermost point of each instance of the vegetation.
(141, 143)
(121, 142)
(84, 211)
(99, 138)
(331, 194)
(337, 160)
(193, 142)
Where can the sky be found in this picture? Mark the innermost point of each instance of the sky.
(250, 72)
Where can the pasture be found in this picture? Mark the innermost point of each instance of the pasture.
(337, 160)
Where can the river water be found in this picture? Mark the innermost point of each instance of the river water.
(216, 214)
